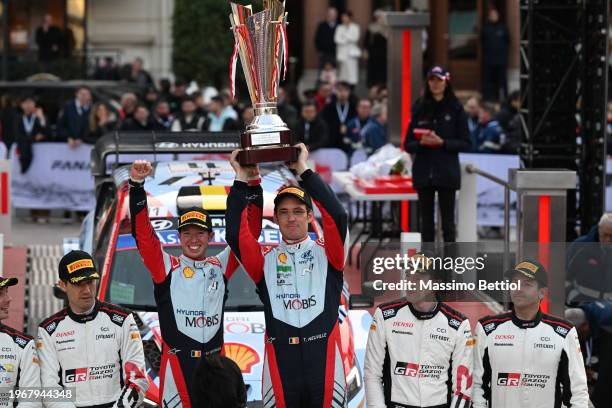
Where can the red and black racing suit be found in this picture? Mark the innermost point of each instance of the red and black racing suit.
(190, 296)
(300, 285)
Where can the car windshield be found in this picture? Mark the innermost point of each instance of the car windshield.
(131, 284)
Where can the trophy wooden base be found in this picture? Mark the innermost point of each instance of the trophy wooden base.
(268, 155)
(267, 148)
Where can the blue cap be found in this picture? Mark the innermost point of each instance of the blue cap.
(438, 71)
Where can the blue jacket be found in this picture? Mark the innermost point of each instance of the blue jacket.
(374, 136)
(490, 138)
(72, 124)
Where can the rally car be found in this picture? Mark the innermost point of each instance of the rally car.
(185, 180)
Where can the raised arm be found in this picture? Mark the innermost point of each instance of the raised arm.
(254, 215)
(335, 217)
(238, 219)
(155, 259)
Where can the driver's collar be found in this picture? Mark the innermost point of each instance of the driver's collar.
(198, 263)
(292, 246)
(526, 324)
(84, 318)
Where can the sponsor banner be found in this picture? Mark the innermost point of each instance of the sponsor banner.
(58, 178)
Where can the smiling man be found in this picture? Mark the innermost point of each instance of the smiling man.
(526, 358)
(18, 358)
(300, 284)
(190, 290)
(90, 347)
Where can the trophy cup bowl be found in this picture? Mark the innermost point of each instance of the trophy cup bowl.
(261, 43)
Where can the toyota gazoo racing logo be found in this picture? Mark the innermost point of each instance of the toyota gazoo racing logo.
(293, 301)
(75, 375)
(406, 369)
(508, 379)
(198, 318)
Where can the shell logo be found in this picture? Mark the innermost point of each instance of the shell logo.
(188, 272)
(243, 355)
(282, 257)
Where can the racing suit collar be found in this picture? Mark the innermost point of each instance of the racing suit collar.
(84, 318)
(295, 246)
(196, 263)
(424, 315)
(526, 324)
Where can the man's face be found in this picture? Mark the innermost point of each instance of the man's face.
(484, 116)
(325, 90)
(418, 295)
(309, 113)
(141, 114)
(84, 96)
(472, 108)
(248, 115)
(194, 241)
(605, 233)
(529, 293)
(332, 15)
(216, 107)
(364, 109)
(384, 117)
(188, 107)
(292, 217)
(81, 296)
(5, 303)
(343, 93)
(28, 106)
(163, 109)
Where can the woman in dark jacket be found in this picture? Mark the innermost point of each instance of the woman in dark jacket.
(438, 132)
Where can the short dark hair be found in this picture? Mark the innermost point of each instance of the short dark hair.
(85, 87)
(309, 102)
(345, 85)
(188, 98)
(217, 99)
(218, 383)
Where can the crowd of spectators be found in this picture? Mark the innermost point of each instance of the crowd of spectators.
(494, 128)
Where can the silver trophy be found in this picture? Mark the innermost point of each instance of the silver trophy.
(261, 43)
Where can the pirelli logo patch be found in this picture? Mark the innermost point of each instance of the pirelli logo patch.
(193, 215)
(292, 190)
(78, 265)
(527, 265)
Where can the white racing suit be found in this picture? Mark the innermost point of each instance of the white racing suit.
(535, 364)
(415, 359)
(19, 368)
(99, 356)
